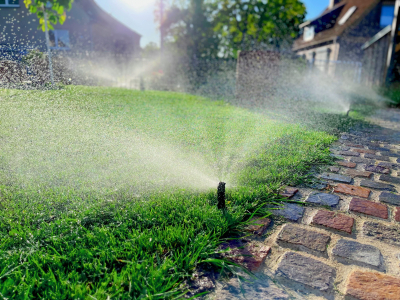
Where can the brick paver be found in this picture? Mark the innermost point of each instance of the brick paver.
(323, 199)
(336, 177)
(258, 225)
(377, 169)
(290, 211)
(373, 286)
(334, 169)
(349, 153)
(356, 173)
(311, 239)
(397, 214)
(384, 233)
(369, 208)
(388, 165)
(372, 152)
(389, 198)
(353, 145)
(365, 151)
(377, 157)
(307, 271)
(357, 253)
(334, 220)
(289, 192)
(352, 190)
(377, 185)
(347, 164)
(249, 255)
(360, 160)
(391, 179)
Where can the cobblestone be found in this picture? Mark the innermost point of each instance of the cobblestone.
(360, 160)
(383, 233)
(356, 173)
(334, 169)
(369, 208)
(393, 154)
(389, 198)
(336, 177)
(290, 211)
(373, 286)
(344, 148)
(353, 145)
(377, 185)
(333, 220)
(347, 164)
(397, 214)
(391, 179)
(258, 225)
(364, 151)
(352, 190)
(349, 153)
(376, 157)
(324, 199)
(364, 244)
(355, 252)
(289, 192)
(249, 255)
(307, 271)
(378, 148)
(388, 165)
(301, 237)
(377, 169)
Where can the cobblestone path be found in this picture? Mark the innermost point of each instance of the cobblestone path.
(345, 243)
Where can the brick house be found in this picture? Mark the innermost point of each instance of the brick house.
(87, 28)
(340, 32)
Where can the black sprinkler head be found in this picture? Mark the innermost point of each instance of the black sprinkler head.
(221, 195)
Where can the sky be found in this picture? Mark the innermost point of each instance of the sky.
(138, 15)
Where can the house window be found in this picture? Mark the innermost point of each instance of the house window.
(387, 15)
(9, 3)
(59, 39)
(309, 33)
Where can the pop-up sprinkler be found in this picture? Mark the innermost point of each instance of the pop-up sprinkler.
(221, 195)
(348, 112)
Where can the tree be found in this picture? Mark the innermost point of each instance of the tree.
(150, 51)
(55, 9)
(244, 25)
(187, 28)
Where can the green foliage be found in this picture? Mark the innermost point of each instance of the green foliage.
(190, 30)
(203, 28)
(55, 9)
(242, 25)
(150, 51)
(392, 94)
(62, 241)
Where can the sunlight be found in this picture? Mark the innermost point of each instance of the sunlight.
(139, 5)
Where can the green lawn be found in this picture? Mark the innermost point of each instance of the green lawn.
(111, 193)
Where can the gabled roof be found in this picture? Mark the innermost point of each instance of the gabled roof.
(334, 15)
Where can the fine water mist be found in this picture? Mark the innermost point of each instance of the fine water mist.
(59, 139)
(56, 139)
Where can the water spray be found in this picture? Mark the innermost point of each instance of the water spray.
(348, 112)
(48, 5)
(221, 195)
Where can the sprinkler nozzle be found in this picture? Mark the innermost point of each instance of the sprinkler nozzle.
(348, 112)
(221, 195)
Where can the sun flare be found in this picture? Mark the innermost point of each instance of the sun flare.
(139, 5)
